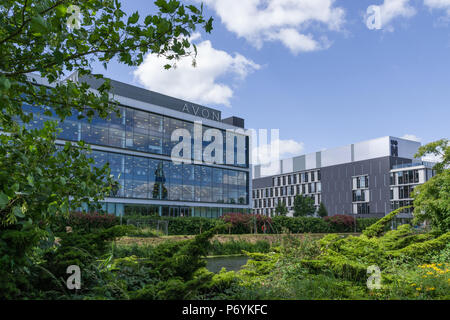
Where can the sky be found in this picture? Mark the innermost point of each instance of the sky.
(326, 73)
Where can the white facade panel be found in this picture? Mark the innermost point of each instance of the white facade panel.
(371, 149)
(310, 161)
(336, 156)
(407, 148)
(287, 165)
(422, 176)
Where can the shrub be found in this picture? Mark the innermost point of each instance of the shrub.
(85, 222)
(246, 223)
(341, 222)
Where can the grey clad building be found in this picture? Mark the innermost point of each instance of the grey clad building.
(138, 145)
(368, 179)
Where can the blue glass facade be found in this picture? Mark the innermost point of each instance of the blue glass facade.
(135, 130)
(144, 177)
(147, 178)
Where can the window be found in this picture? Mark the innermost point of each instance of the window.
(400, 177)
(358, 195)
(416, 176)
(363, 208)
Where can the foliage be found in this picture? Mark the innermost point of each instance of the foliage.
(322, 211)
(244, 223)
(146, 232)
(432, 202)
(281, 208)
(179, 267)
(37, 183)
(237, 247)
(300, 225)
(443, 255)
(85, 222)
(37, 180)
(336, 268)
(303, 206)
(440, 148)
(342, 222)
(240, 223)
(432, 199)
(379, 227)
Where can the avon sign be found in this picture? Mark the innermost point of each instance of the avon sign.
(200, 111)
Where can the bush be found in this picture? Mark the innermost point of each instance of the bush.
(341, 222)
(85, 222)
(245, 223)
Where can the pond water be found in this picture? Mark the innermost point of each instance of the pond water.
(233, 263)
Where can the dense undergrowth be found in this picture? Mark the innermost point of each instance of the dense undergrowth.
(413, 265)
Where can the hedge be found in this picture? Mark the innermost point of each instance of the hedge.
(85, 222)
(245, 223)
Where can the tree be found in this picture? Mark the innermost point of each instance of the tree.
(303, 206)
(38, 180)
(432, 199)
(322, 212)
(281, 208)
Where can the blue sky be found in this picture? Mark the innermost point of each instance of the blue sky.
(327, 82)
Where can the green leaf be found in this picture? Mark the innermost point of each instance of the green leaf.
(5, 84)
(17, 211)
(38, 24)
(30, 180)
(133, 18)
(61, 11)
(4, 199)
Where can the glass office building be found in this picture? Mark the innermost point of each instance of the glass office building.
(137, 145)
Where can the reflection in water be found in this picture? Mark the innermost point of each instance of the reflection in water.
(229, 263)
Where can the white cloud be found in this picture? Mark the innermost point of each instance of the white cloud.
(269, 160)
(432, 158)
(438, 4)
(198, 84)
(411, 137)
(287, 148)
(259, 21)
(391, 9)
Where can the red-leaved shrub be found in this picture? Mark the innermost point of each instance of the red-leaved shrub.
(245, 223)
(341, 222)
